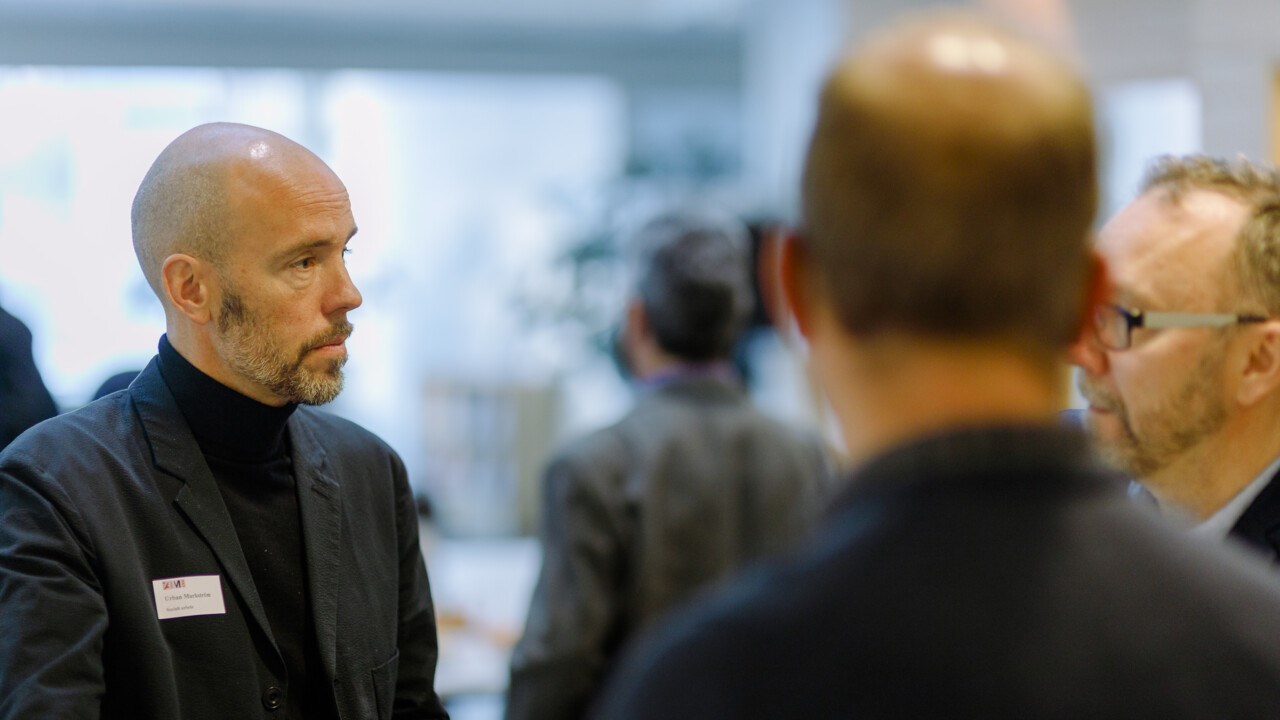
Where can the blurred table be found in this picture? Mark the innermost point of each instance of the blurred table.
(481, 589)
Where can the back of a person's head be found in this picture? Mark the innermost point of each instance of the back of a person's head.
(950, 185)
(694, 282)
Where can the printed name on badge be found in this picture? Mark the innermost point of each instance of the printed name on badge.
(187, 596)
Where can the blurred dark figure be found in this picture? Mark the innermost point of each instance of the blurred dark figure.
(24, 400)
(689, 486)
(762, 235)
(979, 563)
(119, 381)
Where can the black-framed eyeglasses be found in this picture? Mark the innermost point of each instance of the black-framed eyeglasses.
(1114, 323)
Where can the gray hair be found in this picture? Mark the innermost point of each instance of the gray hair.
(1254, 185)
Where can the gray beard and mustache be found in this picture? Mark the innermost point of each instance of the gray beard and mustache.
(1170, 427)
(254, 354)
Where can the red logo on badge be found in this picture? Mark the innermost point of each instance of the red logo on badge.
(173, 584)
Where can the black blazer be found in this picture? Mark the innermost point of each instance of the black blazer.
(985, 573)
(1259, 526)
(98, 503)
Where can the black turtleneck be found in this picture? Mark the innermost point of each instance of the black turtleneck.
(246, 445)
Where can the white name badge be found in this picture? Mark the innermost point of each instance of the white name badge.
(187, 596)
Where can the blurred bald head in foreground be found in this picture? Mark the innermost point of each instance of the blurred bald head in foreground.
(979, 563)
(947, 162)
(948, 194)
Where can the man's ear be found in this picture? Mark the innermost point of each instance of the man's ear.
(769, 274)
(1084, 350)
(1260, 365)
(188, 287)
(1097, 292)
(636, 325)
(796, 280)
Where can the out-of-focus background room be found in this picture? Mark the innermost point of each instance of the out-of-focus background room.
(494, 152)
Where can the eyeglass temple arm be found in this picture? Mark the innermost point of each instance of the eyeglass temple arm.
(1157, 320)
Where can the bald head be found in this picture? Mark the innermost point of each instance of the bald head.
(187, 201)
(950, 184)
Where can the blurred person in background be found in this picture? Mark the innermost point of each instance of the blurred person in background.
(690, 485)
(202, 545)
(1182, 371)
(118, 381)
(24, 399)
(979, 563)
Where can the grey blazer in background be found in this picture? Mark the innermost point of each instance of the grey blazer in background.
(98, 503)
(640, 516)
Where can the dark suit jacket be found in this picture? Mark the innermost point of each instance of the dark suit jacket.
(24, 400)
(988, 573)
(1259, 526)
(99, 502)
(637, 517)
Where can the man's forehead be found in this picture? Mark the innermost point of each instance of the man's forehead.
(275, 209)
(1161, 249)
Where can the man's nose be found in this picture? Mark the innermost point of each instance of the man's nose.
(346, 295)
(1088, 354)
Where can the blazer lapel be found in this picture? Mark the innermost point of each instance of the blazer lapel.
(320, 503)
(1259, 526)
(175, 452)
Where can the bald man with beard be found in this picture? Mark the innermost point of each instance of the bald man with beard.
(978, 564)
(204, 544)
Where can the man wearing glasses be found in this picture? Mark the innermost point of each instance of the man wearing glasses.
(1182, 371)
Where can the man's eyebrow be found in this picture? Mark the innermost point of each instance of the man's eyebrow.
(1132, 299)
(306, 245)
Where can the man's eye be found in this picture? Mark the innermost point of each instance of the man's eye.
(305, 263)
(346, 251)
